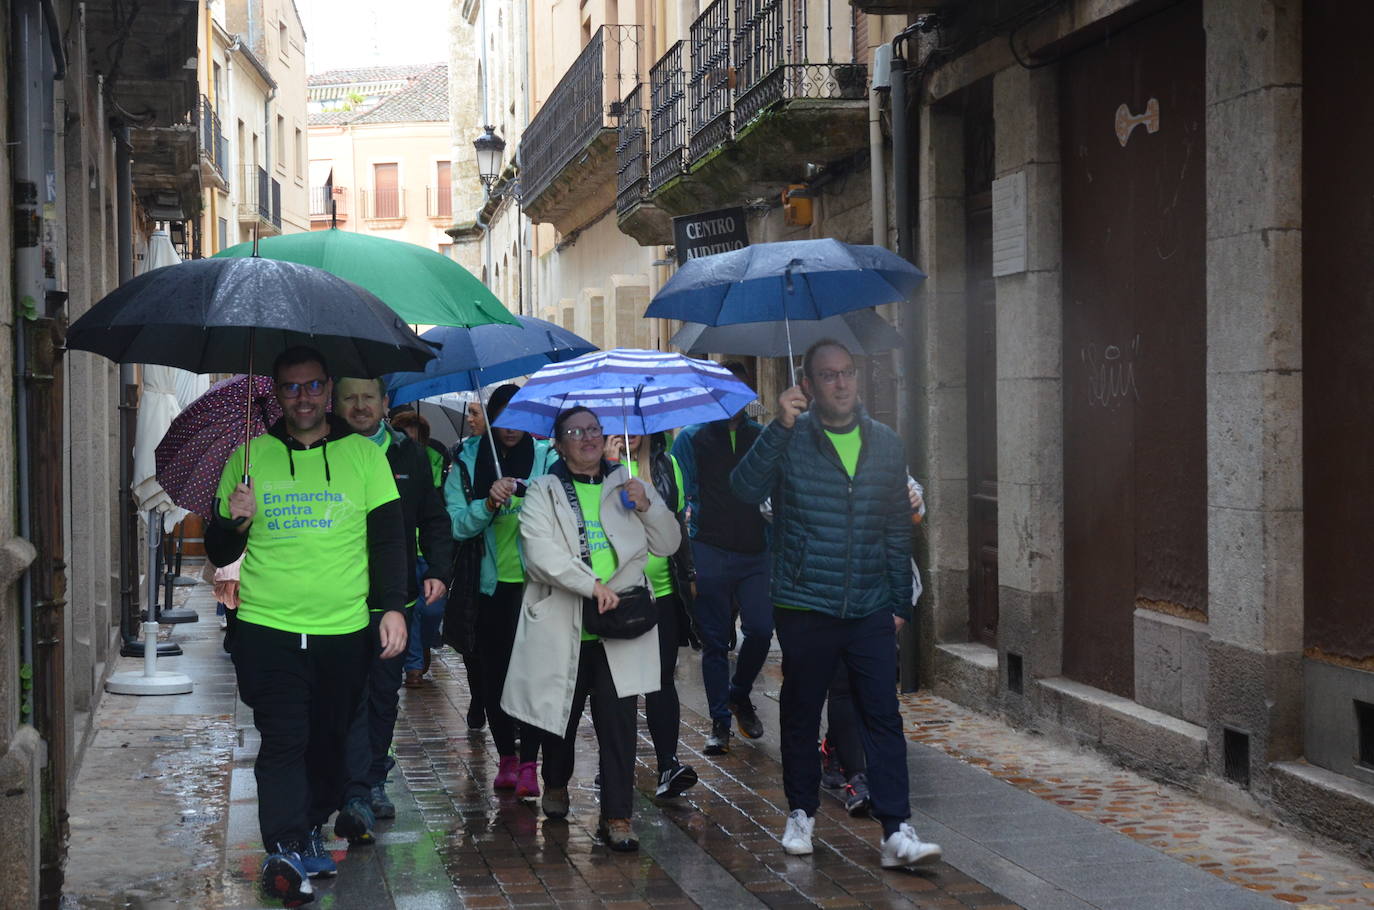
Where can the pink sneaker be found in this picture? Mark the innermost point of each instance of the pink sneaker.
(527, 781)
(505, 773)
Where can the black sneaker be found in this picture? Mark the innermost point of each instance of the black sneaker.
(675, 781)
(382, 806)
(283, 876)
(750, 727)
(856, 798)
(719, 741)
(318, 862)
(477, 717)
(832, 775)
(355, 822)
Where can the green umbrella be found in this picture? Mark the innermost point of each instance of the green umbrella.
(422, 286)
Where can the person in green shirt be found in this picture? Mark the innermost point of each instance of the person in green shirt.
(484, 501)
(320, 529)
(672, 578)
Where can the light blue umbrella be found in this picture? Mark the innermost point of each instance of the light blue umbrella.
(780, 282)
(482, 355)
(631, 391)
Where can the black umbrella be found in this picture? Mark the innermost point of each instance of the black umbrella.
(226, 315)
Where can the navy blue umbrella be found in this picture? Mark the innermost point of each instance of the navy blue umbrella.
(472, 358)
(780, 282)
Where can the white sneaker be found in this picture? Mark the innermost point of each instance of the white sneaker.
(904, 848)
(796, 837)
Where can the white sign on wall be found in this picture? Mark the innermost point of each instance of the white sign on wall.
(1009, 224)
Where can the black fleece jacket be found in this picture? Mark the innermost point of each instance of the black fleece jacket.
(422, 508)
(386, 540)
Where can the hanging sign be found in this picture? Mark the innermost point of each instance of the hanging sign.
(707, 233)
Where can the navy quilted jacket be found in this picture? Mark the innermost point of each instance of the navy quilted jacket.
(840, 546)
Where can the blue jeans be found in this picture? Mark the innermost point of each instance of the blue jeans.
(426, 622)
(724, 578)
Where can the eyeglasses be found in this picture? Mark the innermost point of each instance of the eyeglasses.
(830, 377)
(582, 432)
(314, 388)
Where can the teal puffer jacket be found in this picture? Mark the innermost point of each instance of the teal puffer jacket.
(840, 546)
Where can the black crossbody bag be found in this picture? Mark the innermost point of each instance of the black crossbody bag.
(464, 591)
(637, 611)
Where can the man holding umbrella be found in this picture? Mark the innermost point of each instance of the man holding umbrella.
(361, 403)
(841, 586)
(320, 528)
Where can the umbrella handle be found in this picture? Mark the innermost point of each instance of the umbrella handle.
(491, 437)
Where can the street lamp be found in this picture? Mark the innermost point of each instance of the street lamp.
(489, 147)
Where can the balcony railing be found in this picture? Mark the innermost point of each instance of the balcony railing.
(667, 118)
(585, 101)
(320, 199)
(213, 146)
(384, 204)
(709, 86)
(438, 202)
(257, 195)
(631, 153)
(780, 54)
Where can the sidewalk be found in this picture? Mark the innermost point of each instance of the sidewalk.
(164, 814)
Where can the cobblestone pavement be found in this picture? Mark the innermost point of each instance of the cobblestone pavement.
(1262, 858)
(164, 815)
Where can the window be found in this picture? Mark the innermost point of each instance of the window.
(300, 154)
(442, 206)
(283, 39)
(218, 82)
(281, 143)
(386, 191)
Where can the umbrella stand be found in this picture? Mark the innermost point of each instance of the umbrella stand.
(151, 681)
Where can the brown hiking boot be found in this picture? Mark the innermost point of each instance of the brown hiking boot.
(617, 834)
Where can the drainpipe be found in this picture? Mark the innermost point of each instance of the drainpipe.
(902, 147)
(877, 164)
(128, 400)
(26, 69)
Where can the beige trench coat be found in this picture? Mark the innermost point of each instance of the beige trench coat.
(543, 664)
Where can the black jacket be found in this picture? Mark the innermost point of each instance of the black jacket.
(386, 541)
(422, 509)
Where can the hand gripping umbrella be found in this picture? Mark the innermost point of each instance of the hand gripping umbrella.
(793, 279)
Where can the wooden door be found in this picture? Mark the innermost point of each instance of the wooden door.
(1134, 348)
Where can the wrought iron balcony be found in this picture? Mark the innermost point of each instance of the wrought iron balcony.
(667, 118)
(214, 148)
(320, 199)
(384, 205)
(631, 153)
(781, 54)
(439, 202)
(709, 86)
(566, 151)
(259, 199)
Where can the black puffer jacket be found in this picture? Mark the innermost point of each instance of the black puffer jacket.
(680, 563)
(840, 546)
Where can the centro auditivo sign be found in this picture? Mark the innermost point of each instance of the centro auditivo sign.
(707, 233)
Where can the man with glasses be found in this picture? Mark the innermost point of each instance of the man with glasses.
(318, 522)
(730, 550)
(841, 586)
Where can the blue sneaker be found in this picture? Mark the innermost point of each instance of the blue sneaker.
(355, 822)
(318, 862)
(284, 876)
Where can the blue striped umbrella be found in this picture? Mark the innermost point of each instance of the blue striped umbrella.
(631, 391)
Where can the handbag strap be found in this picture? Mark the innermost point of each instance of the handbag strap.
(464, 479)
(576, 505)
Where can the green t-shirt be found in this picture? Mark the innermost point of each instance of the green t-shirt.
(656, 569)
(436, 464)
(505, 528)
(847, 446)
(604, 560)
(305, 565)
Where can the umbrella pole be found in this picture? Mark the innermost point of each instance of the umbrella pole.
(491, 437)
(625, 452)
(791, 357)
(248, 409)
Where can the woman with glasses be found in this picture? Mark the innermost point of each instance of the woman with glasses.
(672, 578)
(484, 500)
(586, 505)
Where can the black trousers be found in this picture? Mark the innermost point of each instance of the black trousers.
(614, 720)
(374, 723)
(498, 616)
(814, 645)
(842, 724)
(304, 691)
(662, 710)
